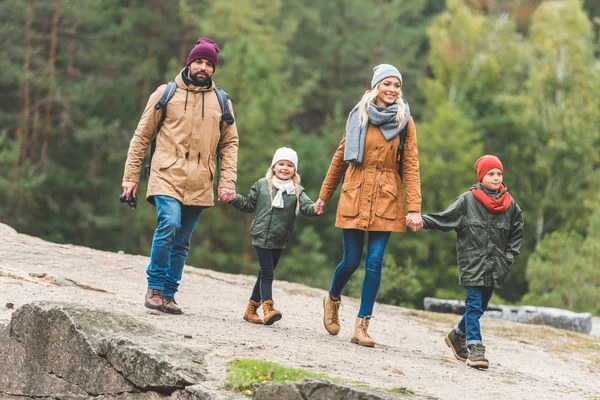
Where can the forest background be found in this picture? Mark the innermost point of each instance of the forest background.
(516, 78)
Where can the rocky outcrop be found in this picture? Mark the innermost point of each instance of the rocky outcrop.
(563, 319)
(320, 389)
(61, 351)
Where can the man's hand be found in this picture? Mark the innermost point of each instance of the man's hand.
(320, 206)
(414, 221)
(130, 189)
(226, 194)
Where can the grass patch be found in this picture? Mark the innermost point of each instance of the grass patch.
(509, 382)
(245, 372)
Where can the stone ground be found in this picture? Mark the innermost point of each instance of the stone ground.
(527, 362)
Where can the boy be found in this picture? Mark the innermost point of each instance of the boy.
(489, 231)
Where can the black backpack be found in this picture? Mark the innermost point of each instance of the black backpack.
(226, 116)
(401, 151)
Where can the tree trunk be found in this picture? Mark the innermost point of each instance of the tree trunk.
(22, 132)
(184, 46)
(51, 78)
(152, 39)
(65, 116)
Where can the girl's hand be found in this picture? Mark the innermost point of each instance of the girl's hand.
(320, 206)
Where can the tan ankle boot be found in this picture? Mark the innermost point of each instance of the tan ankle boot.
(270, 314)
(250, 315)
(361, 336)
(331, 318)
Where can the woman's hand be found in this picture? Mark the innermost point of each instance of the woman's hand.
(414, 221)
(320, 206)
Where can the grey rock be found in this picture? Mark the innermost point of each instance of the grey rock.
(316, 389)
(558, 318)
(277, 390)
(207, 391)
(62, 348)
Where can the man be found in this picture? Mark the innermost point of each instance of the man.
(183, 168)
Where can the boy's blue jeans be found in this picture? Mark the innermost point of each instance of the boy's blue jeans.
(171, 243)
(353, 248)
(476, 303)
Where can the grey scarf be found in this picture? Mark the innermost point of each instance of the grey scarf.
(384, 118)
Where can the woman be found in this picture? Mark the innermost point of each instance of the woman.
(372, 198)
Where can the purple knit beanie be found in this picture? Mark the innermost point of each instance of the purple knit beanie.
(204, 48)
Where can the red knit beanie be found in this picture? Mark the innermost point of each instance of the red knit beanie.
(204, 48)
(485, 164)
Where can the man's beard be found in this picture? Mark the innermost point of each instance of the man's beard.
(198, 80)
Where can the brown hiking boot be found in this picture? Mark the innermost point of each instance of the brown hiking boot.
(170, 306)
(270, 314)
(331, 317)
(250, 315)
(153, 299)
(361, 336)
(458, 344)
(477, 356)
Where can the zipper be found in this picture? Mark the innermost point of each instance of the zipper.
(268, 228)
(202, 106)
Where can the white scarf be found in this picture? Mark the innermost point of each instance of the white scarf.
(286, 186)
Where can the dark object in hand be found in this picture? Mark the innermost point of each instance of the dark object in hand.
(132, 201)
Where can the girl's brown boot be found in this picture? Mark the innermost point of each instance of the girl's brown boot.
(270, 314)
(361, 336)
(250, 315)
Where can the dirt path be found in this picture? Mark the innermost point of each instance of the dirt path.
(527, 362)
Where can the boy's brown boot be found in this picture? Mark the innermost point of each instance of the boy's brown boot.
(170, 306)
(361, 336)
(270, 314)
(331, 317)
(477, 356)
(250, 315)
(153, 299)
(458, 345)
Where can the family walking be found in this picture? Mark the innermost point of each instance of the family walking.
(378, 161)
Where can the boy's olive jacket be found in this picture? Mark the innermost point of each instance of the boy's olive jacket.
(486, 243)
(272, 227)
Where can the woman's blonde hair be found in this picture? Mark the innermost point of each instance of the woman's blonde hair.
(369, 98)
(296, 179)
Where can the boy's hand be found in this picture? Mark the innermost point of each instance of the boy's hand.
(414, 221)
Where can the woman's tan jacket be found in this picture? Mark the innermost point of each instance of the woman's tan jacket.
(372, 196)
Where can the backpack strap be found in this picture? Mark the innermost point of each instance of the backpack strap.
(401, 151)
(226, 114)
(161, 104)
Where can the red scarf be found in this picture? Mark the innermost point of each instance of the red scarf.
(494, 205)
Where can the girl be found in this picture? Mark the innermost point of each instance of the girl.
(372, 200)
(275, 200)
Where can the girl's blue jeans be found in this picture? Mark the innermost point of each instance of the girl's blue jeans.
(353, 240)
(171, 243)
(476, 303)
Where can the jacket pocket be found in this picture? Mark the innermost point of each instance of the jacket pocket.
(350, 199)
(211, 169)
(387, 198)
(168, 162)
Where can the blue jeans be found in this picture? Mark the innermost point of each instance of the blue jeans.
(263, 288)
(476, 303)
(171, 243)
(353, 248)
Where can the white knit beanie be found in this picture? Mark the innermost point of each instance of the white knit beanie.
(285, 153)
(382, 71)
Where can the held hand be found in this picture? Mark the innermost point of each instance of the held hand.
(414, 221)
(320, 206)
(129, 189)
(226, 194)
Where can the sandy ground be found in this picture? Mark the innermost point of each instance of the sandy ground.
(527, 362)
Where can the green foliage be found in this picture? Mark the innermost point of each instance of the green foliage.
(563, 272)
